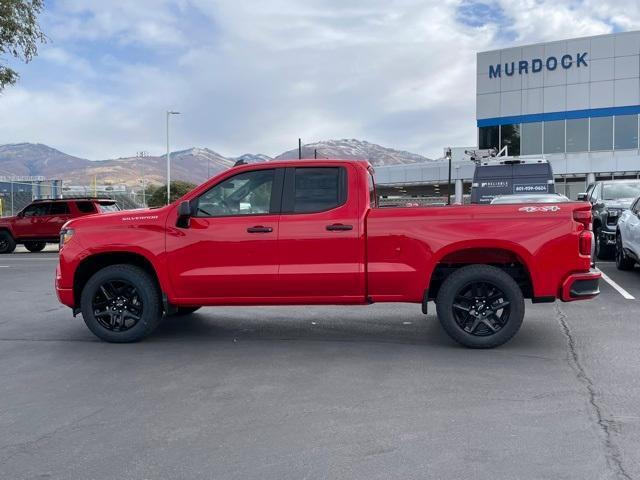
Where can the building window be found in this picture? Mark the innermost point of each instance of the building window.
(578, 135)
(488, 137)
(626, 132)
(531, 143)
(510, 137)
(554, 137)
(601, 134)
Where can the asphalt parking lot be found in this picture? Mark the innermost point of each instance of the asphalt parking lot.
(373, 392)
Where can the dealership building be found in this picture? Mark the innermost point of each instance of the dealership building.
(573, 102)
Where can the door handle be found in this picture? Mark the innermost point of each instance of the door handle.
(259, 229)
(339, 227)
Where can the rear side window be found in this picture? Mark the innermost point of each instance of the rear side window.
(86, 207)
(316, 189)
(59, 208)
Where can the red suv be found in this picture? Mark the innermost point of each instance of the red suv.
(40, 222)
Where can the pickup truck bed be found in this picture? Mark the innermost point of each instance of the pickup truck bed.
(310, 232)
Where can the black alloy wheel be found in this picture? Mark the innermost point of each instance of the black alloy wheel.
(7, 243)
(35, 247)
(117, 305)
(121, 303)
(481, 308)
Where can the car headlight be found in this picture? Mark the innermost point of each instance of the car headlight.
(65, 236)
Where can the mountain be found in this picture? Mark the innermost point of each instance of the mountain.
(194, 165)
(355, 149)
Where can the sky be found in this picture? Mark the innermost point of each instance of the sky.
(253, 76)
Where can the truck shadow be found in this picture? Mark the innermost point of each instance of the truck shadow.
(329, 324)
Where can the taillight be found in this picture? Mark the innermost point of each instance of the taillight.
(586, 238)
(583, 216)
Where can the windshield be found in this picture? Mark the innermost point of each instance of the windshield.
(615, 191)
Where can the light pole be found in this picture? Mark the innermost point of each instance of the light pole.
(169, 113)
(141, 156)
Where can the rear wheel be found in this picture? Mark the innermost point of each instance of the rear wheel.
(121, 304)
(35, 246)
(602, 251)
(623, 262)
(480, 306)
(7, 243)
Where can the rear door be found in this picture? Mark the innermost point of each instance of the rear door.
(320, 242)
(49, 225)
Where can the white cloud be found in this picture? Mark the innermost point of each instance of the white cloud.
(254, 76)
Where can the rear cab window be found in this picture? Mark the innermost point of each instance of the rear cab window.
(314, 189)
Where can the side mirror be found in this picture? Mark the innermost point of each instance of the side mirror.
(582, 197)
(184, 215)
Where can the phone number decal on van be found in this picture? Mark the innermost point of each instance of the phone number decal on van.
(530, 188)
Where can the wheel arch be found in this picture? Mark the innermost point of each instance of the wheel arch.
(510, 260)
(91, 264)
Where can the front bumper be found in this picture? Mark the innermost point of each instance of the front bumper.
(581, 286)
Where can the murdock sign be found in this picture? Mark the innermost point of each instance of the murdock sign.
(536, 65)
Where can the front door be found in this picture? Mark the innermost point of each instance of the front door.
(29, 221)
(229, 253)
(321, 241)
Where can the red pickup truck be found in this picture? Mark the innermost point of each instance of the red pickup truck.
(310, 232)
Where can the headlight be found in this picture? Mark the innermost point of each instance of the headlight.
(65, 236)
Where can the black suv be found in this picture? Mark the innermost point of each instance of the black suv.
(609, 198)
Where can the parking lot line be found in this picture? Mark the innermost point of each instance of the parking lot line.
(616, 287)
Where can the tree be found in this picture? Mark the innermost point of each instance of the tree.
(20, 34)
(158, 197)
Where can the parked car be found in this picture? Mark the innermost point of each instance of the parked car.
(310, 232)
(628, 237)
(542, 198)
(511, 177)
(40, 222)
(609, 198)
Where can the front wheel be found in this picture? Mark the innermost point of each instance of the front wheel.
(121, 304)
(7, 243)
(34, 247)
(480, 306)
(623, 262)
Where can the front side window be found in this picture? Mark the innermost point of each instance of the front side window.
(317, 189)
(247, 193)
(36, 210)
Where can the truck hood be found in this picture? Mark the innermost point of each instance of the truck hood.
(138, 217)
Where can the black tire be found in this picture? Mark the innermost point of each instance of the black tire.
(467, 301)
(121, 293)
(34, 247)
(181, 311)
(623, 262)
(602, 252)
(7, 243)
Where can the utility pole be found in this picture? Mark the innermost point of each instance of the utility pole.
(141, 156)
(299, 149)
(315, 153)
(448, 155)
(169, 113)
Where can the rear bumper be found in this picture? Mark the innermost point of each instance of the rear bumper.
(581, 286)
